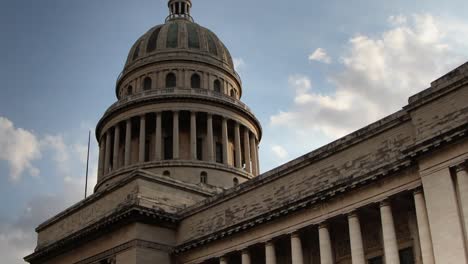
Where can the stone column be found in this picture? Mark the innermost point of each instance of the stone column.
(102, 149)
(445, 220)
(253, 154)
(209, 139)
(108, 153)
(462, 180)
(158, 139)
(237, 142)
(175, 135)
(116, 146)
(256, 156)
(225, 140)
(355, 235)
(128, 142)
(193, 135)
(142, 143)
(246, 257)
(296, 249)
(248, 164)
(389, 235)
(326, 252)
(270, 254)
(424, 231)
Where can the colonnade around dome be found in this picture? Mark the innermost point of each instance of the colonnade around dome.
(185, 136)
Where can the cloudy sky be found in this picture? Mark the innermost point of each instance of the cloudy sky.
(312, 72)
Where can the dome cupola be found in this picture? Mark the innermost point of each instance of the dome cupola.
(179, 9)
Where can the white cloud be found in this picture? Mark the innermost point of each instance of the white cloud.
(280, 152)
(17, 236)
(379, 74)
(239, 64)
(320, 55)
(19, 148)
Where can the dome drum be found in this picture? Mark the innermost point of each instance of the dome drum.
(157, 77)
(183, 137)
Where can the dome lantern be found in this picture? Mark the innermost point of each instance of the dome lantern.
(179, 9)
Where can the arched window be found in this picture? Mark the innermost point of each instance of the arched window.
(204, 177)
(217, 86)
(195, 81)
(235, 181)
(129, 90)
(171, 81)
(147, 83)
(166, 174)
(232, 93)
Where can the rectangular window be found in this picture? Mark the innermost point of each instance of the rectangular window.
(199, 148)
(376, 260)
(168, 148)
(219, 152)
(406, 256)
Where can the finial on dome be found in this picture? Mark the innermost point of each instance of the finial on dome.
(179, 9)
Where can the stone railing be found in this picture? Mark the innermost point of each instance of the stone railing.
(180, 91)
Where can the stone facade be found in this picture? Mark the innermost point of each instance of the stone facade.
(179, 174)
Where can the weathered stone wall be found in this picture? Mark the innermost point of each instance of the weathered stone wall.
(345, 165)
(134, 243)
(142, 192)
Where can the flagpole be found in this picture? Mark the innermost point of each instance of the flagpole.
(87, 165)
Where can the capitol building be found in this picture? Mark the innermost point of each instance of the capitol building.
(179, 179)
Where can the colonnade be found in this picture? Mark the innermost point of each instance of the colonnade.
(356, 245)
(244, 154)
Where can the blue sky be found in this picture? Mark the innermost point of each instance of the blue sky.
(312, 71)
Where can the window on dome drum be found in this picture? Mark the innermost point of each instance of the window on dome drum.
(171, 81)
(167, 173)
(173, 36)
(219, 152)
(217, 86)
(199, 149)
(235, 181)
(406, 256)
(168, 148)
(204, 177)
(129, 90)
(153, 40)
(147, 83)
(376, 260)
(195, 81)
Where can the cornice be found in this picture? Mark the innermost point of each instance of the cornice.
(122, 216)
(148, 98)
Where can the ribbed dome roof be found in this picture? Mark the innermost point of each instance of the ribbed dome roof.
(164, 42)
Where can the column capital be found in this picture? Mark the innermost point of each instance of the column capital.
(295, 234)
(353, 214)
(461, 167)
(418, 190)
(245, 251)
(323, 225)
(270, 243)
(384, 203)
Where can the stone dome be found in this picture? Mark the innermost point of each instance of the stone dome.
(179, 39)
